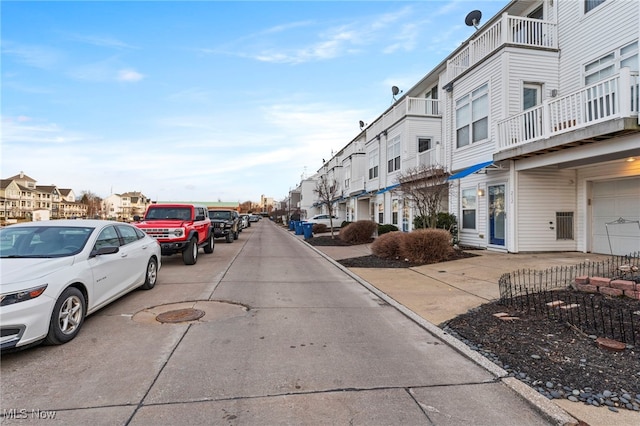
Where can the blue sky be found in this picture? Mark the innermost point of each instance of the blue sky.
(206, 100)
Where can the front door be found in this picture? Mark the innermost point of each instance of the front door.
(497, 214)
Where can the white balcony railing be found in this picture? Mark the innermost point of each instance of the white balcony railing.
(509, 29)
(613, 98)
(407, 106)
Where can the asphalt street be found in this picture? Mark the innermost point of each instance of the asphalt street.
(287, 337)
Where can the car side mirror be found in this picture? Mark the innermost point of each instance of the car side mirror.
(200, 217)
(136, 218)
(104, 250)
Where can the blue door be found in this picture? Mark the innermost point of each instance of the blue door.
(497, 214)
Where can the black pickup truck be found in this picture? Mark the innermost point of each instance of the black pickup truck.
(225, 223)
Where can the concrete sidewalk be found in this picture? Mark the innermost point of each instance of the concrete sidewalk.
(442, 291)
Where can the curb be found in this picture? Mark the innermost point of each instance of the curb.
(545, 407)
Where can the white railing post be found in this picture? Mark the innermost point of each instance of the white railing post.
(624, 87)
(505, 30)
(546, 119)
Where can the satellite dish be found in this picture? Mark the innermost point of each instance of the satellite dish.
(395, 91)
(362, 124)
(473, 18)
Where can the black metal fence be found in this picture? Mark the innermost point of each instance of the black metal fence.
(548, 293)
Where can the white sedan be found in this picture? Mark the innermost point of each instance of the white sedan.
(326, 220)
(56, 272)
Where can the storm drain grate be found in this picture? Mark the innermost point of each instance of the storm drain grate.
(180, 315)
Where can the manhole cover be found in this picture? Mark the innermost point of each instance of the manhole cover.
(180, 315)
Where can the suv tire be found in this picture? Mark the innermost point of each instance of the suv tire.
(229, 236)
(208, 248)
(190, 254)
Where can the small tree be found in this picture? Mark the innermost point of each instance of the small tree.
(327, 190)
(92, 201)
(424, 187)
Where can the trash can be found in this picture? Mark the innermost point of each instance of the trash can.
(307, 228)
(299, 227)
(292, 225)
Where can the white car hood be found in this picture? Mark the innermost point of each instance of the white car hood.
(16, 271)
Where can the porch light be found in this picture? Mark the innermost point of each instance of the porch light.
(630, 160)
(481, 192)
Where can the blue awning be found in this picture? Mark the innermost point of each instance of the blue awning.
(388, 188)
(469, 170)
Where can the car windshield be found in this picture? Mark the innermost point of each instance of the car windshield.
(42, 241)
(168, 213)
(219, 215)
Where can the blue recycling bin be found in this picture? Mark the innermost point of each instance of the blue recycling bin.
(292, 225)
(299, 227)
(307, 229)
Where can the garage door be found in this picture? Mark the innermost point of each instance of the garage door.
(612, 200)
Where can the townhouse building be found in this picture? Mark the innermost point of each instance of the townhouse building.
(21, 198)
(535, 118)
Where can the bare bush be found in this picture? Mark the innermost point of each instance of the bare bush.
(387, 245)
(359, 232)
(426, 246)
(319, 228)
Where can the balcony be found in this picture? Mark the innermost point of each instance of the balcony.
(605, 102)
(512, 30)
(422, 107)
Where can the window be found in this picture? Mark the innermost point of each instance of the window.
(432, 101)
(393, 155)
(347, 178)
(472, 117)
(380, 213)
(469, 208)
(128, 233)
(424, 144)
(373, 164)
(608, 65)
(591, 4)
(107, 238)
(394, 212)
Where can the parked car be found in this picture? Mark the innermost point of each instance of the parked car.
(179, 228)
(244, 220)
(54, 273)
(325, 219)
(226, 223)
(254, 217)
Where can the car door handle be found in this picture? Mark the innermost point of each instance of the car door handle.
(124, 255)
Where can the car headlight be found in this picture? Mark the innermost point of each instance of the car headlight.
(178, 232)
(22, 295)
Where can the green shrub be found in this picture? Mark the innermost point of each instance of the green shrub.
(446, 221)
(387, 245)
(383, 229)
(319, 228)
(359, 232)
(426, 246)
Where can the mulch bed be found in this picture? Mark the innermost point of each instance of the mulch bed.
(553, 357)
(373, 261)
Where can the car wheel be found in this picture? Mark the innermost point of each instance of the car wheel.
(230, 236)
(67, 317)
(190, 254)
(208, 248)
(236, 235)
(151, 276)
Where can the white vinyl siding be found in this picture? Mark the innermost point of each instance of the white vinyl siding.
(541, 193)
(582, 35)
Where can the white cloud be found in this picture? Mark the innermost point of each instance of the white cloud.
(129, 75)
(44, 57)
